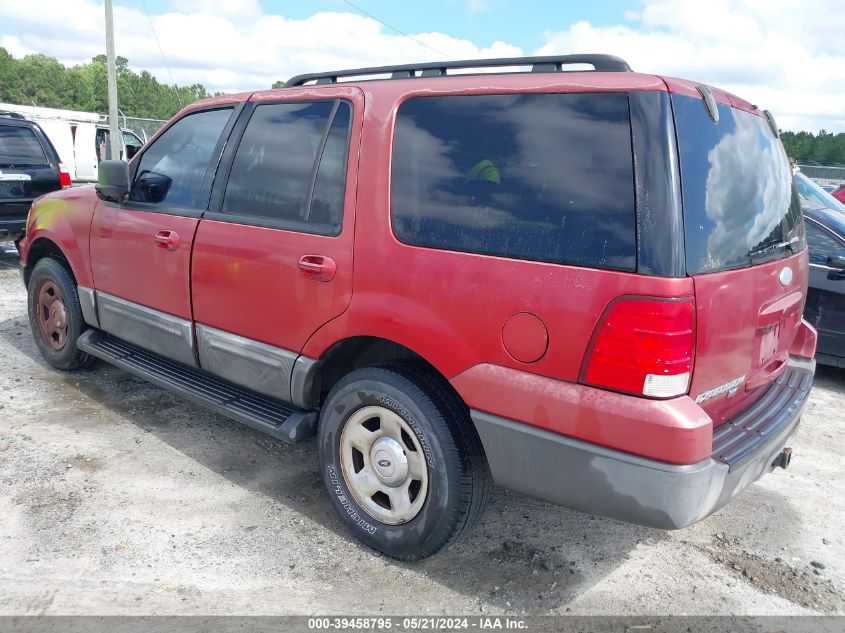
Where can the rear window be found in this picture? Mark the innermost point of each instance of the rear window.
(544, 177)
(20, 146)
(740, 207)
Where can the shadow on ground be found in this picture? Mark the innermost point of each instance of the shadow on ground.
(525, 554)
(832, 378)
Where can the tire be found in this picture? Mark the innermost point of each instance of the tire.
(52, 277)
(444, 455)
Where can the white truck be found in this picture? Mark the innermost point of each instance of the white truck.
(81, 138)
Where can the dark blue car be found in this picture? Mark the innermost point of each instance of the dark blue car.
(825, 223)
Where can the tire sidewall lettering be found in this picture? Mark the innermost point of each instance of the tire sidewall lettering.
(412, 422)
(338, 489)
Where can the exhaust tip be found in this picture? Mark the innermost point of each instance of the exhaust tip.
(783, 459)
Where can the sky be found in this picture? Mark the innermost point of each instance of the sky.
(787, 56)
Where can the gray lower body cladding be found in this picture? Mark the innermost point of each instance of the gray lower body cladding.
(613, 484)
(272, 371)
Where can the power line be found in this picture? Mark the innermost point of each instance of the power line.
(393, 28)
(160, 50)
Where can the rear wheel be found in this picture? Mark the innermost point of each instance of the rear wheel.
(55, 315)
(401, 460)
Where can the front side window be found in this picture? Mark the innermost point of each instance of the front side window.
(172, 171)
(544, 177)
(290, 165)
(129, 138)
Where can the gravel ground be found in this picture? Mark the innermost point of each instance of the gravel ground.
(119, 498)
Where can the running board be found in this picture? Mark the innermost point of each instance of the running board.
(274, 417)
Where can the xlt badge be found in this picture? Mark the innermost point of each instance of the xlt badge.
(729, 387)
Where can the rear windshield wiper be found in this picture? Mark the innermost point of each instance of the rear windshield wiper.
(765, 249)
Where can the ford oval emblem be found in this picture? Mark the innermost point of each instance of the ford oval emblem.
(384, 463)
(785, 276)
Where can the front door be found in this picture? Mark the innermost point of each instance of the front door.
(273, 256)
(141, 250)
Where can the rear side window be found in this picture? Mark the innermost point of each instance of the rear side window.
(20, 146)
(290, 165)
(544, 177)
(740, 206)
(173, 169)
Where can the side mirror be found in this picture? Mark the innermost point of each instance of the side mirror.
(836, 260)
(112, 180)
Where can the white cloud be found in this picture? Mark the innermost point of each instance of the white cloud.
(239, 48)
(13, 44)
(784, 55)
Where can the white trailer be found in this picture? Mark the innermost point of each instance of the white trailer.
(80, 138)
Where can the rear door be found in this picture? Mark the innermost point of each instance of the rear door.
(745, 250)
(28, 169)
(273, 256)
(141, 250)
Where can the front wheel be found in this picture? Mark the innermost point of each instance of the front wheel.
(401, 461)
(55, 315)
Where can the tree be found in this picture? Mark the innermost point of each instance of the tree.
(43, 81)
(824, 148)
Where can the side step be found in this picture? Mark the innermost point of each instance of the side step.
(273, 417)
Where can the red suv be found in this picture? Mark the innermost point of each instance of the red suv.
(585, 286)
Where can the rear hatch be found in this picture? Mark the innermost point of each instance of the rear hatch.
(26, 171)
(745, 251)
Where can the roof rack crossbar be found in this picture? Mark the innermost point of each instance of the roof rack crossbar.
(548, 63)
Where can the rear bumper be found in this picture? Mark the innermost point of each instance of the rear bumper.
(634, 489)
(13, 216)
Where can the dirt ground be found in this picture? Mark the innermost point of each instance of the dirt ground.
(119, 498)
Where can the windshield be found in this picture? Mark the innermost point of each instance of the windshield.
(813, 196)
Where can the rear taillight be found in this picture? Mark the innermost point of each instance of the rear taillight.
(64, 176)
(645, 347)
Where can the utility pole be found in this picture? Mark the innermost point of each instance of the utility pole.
(111, 72)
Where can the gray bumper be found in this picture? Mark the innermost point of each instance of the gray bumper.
(609, 483)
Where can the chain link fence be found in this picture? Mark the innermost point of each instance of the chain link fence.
(144, 128)
(824, 174)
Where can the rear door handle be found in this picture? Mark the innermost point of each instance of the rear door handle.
(317, 267)
(168, 240)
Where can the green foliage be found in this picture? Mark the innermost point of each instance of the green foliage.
(824, 148)
(43, 81)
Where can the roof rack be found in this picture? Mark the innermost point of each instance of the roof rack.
(12, 115)
(543, 64)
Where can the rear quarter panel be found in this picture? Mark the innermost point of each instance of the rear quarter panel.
(451, 307)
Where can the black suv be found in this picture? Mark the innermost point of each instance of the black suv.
(29, 167)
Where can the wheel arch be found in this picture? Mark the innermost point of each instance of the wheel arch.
(355, 352)
(43, 247)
